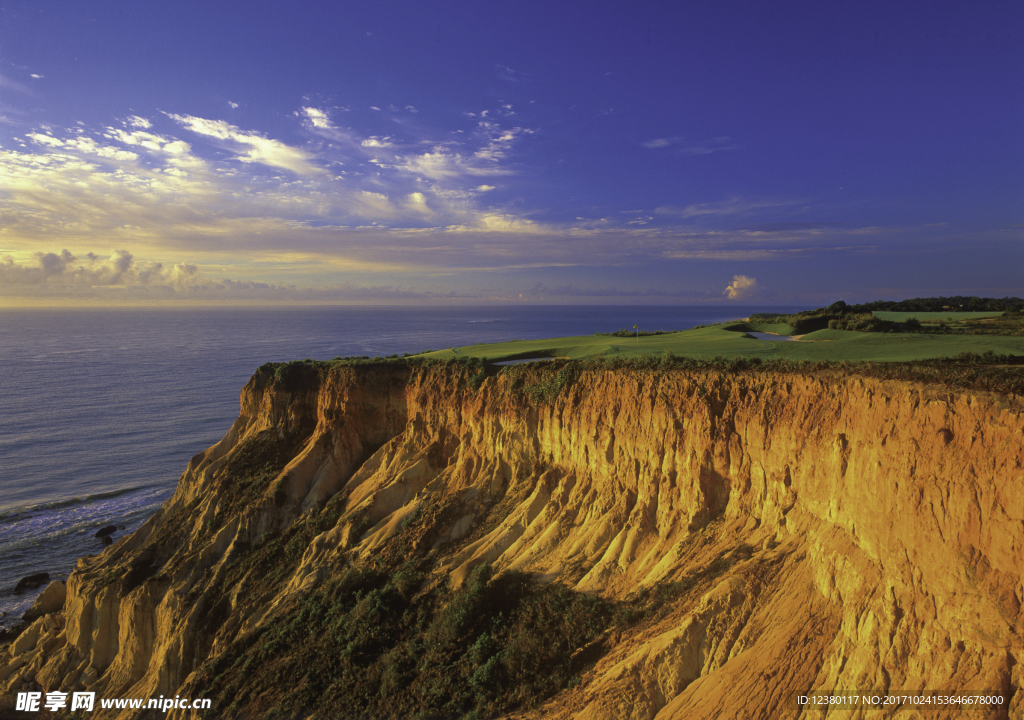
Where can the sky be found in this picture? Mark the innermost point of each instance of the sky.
(519, 152)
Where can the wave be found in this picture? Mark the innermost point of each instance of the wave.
(56, 353)
(25, 511)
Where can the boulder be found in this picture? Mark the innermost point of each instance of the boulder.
(31, 582)
(49, 601)
(105, 531)
(27, 640)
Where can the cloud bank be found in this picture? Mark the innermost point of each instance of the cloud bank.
(741, 288)
(64, 273)
(338, 209)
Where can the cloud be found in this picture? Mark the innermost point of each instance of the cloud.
(139, 138)
(682, 147)
(741, 287)
(85, 145)
(390, 207)
(317, 118)
(496, 223)
(120, 279)
(133, 184)
(45, 139)
(509, 75)
(6, 82)
(733, 206)
(65, 269)
(442, 163)
(232, 105)
(252, 147)
(64, 274)
(36, 76)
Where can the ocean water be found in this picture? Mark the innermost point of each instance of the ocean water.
(100, 409)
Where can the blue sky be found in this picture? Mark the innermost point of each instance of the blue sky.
(475, 152)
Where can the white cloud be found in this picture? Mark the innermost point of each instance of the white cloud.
(45, 139)
(255, 148)
(317, 118)
(36, 76)
(85, 145)
(143, 184)
(443, 164)
(418, 203)
(91, 147)
(741, 287)
(500, 223)
(232, 105)
(395, 207)
(657, 143)
(682, 147)
(438, 164)
(120, 277)
(509, 75)
(139, 122)
(499, 140)
(733, 206)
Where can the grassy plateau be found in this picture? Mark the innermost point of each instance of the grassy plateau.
(734, 340)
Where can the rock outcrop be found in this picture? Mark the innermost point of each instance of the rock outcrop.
(50, 600)
(822, 534)
(31, 582)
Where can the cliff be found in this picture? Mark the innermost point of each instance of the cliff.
(688, 543)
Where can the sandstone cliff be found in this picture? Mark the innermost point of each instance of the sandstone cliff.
(803, 534)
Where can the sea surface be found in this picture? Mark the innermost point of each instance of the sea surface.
(101, 409)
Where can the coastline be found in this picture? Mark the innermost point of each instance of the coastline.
(140, 392)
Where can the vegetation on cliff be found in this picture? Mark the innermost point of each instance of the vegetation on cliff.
(373, 642)
(541, 382)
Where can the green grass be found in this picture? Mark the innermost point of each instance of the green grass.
(777, 328)
(729, 341)
(825, 335)
(933, 316)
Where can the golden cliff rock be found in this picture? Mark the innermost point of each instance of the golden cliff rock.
(798, 533)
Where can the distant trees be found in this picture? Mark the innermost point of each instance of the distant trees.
(842, 316)
(957, 303)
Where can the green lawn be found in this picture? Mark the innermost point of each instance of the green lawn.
(730, 340)
(777, 328)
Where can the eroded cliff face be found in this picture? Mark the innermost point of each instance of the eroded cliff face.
(822, 534)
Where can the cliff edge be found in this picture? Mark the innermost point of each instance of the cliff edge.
(566, 541)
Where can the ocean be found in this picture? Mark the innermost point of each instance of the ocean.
(101, 409)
